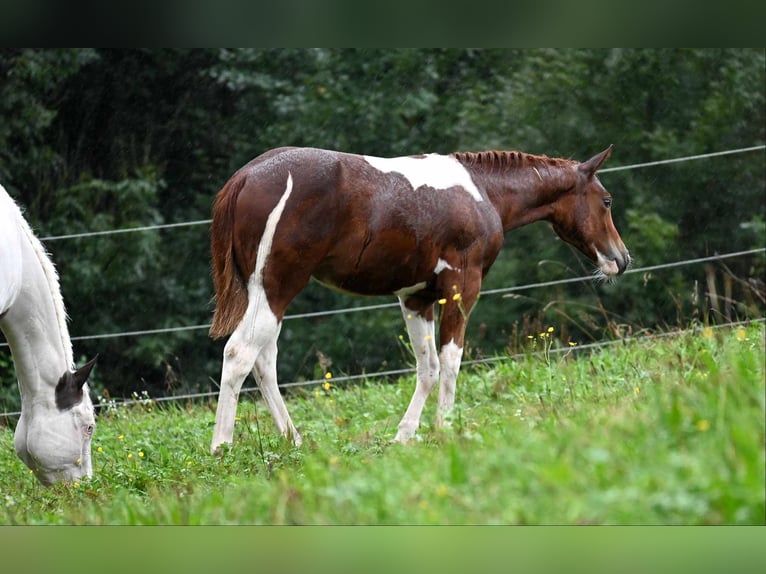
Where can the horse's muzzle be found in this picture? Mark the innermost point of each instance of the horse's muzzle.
(615, 265)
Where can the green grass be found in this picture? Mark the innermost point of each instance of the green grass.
(661, 431)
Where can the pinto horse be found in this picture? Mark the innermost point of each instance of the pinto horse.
(425, 228)
(54, 432)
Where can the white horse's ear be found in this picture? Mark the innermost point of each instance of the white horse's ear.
(81, 375)
(69, 387)
(591, 166)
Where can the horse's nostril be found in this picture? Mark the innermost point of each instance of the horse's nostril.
(623, 263)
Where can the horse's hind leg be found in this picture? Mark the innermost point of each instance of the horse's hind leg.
(238, 358)
(266, 373)
(257, 331)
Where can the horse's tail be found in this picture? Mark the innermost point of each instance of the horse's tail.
(230, 287)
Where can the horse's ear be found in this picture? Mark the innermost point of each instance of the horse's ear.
(591, 166)
(81, 375)
(69, 387)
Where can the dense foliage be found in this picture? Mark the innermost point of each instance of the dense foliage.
(95, 139)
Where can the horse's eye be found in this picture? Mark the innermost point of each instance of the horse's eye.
(89, 429)
(607, 202)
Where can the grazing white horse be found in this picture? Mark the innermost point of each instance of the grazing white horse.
(54, 432)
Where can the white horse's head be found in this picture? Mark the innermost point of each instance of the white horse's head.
(54, 440)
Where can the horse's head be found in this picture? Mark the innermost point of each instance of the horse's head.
(54, 440)
(582, 216)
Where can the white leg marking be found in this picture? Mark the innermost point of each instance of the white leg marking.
(449, 358)
(266, 374)
(421, 332)
(258, 330)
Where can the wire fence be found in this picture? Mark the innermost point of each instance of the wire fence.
(380, 306)
(367, 308)
(113, 403)
(207, 221)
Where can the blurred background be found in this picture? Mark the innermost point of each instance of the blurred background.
(93, 141)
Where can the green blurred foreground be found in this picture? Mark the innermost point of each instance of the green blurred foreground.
(662, 431)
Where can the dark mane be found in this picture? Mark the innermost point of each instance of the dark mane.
(495, 159)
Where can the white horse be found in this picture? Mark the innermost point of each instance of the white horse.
(54, 432)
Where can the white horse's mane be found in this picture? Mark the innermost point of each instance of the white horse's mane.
(52, 277)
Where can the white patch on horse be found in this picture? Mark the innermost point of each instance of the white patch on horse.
(264, 248)
(441, 265)
(432, 170)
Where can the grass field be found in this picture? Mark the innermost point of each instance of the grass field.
(668, 430)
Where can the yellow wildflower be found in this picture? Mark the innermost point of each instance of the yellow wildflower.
(328, 375)
(442, 301)
(141, 453)
(703, 425)
(550, 329)
(741, 334)
(326, 386)
(456, 297)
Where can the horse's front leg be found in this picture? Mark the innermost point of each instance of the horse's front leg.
(420, 328)
(450, 358)
(455, 309)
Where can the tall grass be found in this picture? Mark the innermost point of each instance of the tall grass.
(661, 431)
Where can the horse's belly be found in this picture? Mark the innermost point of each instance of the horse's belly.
(371, 283)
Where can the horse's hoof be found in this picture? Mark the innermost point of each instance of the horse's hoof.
(220, 449)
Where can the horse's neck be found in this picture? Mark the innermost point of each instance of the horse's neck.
(35, 325)
(522, 187)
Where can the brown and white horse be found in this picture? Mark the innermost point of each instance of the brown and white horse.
(425, 228)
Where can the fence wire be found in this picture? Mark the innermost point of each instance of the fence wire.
(208, 221)
(366, 308)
